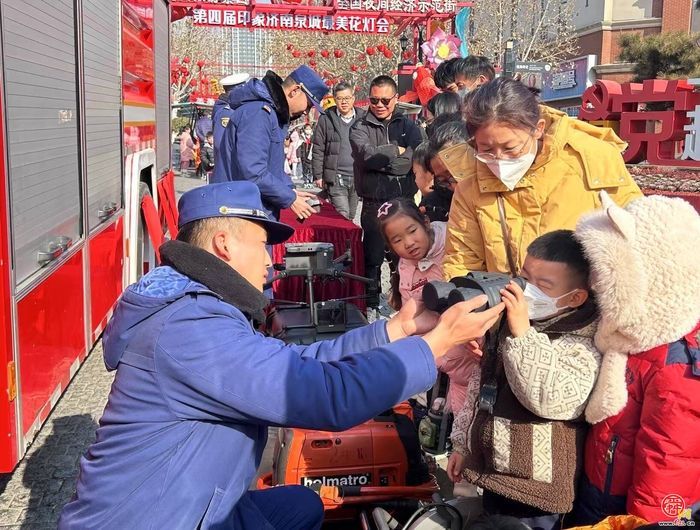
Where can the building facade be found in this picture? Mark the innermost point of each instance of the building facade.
(600, 24)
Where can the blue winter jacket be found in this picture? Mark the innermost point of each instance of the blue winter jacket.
(196, 389)
(252, 144)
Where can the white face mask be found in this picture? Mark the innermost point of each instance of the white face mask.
(541, 306)
(511, 170)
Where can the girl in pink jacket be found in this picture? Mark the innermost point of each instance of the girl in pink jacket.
(420, 246)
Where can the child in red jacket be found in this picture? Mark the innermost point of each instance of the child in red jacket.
(642, 454)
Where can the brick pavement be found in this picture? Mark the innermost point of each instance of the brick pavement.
(32, 496)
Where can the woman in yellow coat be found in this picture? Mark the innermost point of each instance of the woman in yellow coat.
(526, 164)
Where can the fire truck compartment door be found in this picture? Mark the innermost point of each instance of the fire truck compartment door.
(42, 128)
(102, 109)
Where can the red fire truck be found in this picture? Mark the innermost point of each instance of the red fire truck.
(85, 133)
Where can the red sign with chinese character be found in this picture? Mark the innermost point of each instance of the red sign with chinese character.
(659, 118)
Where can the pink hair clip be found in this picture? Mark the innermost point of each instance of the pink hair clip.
(383, 209)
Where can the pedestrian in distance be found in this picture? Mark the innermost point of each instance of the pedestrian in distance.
(252, 147)
(332, 161)
(382, 143)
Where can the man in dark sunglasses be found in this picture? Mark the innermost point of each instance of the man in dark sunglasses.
(382, 148)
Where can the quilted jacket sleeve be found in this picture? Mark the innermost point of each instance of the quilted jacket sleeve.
(464, 247)
(667, 446)
(551, 378)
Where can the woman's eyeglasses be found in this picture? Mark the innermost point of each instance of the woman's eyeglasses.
(504, 153)
(383, 101)
(445, 184)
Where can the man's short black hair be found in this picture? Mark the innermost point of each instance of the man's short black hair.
(560, 246)
(473, 66)
(445, 74)
(342, 86)
(451, 133)
(384, 80)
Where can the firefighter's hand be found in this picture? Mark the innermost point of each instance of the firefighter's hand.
(412, 319)
(300, 207)
(455, 466)
(458, 325)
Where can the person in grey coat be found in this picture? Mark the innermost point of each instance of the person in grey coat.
(331, 160)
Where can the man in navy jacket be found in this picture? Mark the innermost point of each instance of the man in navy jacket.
(252, 144)
(197, 387)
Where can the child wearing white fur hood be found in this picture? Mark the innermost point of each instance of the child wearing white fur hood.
(642, 454)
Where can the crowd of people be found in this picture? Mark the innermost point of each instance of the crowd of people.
(582, 406)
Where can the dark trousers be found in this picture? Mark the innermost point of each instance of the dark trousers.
(281, 507)
(536, 519)
(375, 249)
(343, 196)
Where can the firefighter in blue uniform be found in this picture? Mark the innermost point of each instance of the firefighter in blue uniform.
(196, 387)
(252, 146)
(222, 110)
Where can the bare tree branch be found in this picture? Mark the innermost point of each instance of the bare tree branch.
(543, 30)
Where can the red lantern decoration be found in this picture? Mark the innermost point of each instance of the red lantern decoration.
(407, 55)
(290, 47)
(354, 67)
(311, 53)
(296, 53)
(200, 64)
(312, 63)
(185, 72)
(370, 50)
(324, 54)
(193, 82)
(381, 47)
(388, 53)
(338, 53)
(186, 60)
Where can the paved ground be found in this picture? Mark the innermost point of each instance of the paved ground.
(33, 496)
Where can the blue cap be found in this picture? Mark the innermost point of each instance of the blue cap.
(312, 85)
(230, 199)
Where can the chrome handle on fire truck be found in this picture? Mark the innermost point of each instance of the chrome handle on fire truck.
(53, 249)
(106, 211)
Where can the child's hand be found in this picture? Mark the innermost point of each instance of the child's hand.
(516, 309)
(475, 346)
(455, 466)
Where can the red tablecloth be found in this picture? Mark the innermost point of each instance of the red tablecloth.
(327, 226)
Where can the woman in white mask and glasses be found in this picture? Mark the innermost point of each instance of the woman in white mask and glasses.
(526, 170)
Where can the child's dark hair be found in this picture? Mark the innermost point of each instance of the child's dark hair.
(421, 154)
(561, 246)
(444, 103)
(386, 213)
